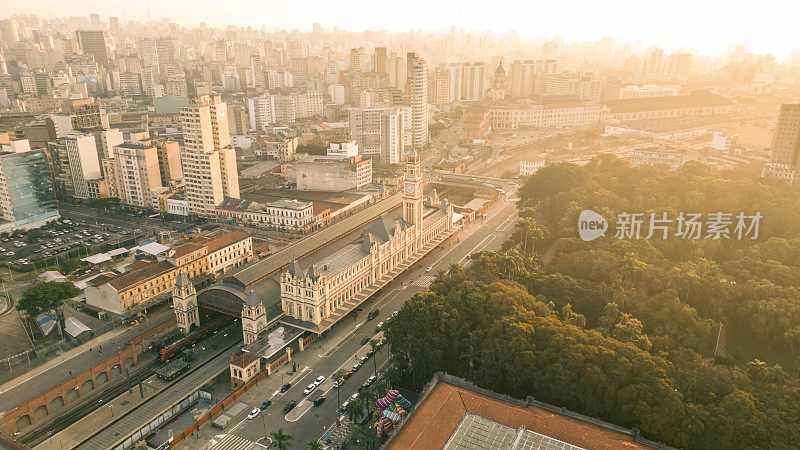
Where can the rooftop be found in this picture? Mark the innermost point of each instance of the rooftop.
(243, 358)
(672, 102)
(452, 411)
(142, 272)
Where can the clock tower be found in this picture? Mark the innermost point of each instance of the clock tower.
(412, 199)
(184, 300)
(254, 317)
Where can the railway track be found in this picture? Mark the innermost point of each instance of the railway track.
(79, 411)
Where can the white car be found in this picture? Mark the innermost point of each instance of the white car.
(253, 414)
(337, 384)
(319, 380)
(429, 269)
(310, 388)
(394, 314)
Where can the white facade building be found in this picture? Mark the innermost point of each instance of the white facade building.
(83, 162)
(418, 98)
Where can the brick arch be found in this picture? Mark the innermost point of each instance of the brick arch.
(128, 362)
(39, 412)
(87, 386)
(23, 421)
(101, 378)
(72, 395)
(56, 403)
(115, 371)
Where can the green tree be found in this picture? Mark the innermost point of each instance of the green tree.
(338, 377)
(48, 296)
(280, 440)
(34, 236)
(314, 445)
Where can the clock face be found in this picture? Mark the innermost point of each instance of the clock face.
(410, 188)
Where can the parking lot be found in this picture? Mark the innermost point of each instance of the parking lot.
(65, 235)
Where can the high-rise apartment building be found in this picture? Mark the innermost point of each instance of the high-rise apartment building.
(75, 161)
(473, 81)
(417, 92)
(137, 172)
(381, 60)
(92, 42)
(283, 108)
(208, 160)
(378, 132)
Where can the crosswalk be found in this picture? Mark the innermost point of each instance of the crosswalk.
(424, 280)
(232, 442)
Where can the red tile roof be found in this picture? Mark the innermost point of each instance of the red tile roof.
(437, 417)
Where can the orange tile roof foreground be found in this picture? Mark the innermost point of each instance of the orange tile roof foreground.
(433, 422)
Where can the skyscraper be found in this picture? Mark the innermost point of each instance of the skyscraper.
(473, 83)
(786, 140)
(785, 153)
(417, 92)
(381, 60)
(92, 42)
(208, 160)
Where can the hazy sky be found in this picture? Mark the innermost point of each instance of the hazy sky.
(707, 25)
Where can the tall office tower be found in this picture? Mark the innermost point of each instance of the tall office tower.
(27, 199)
(92, 42)
(208, 160)
(655, 61)
(381, 60)
(680, 64)
(165, 48)
(473, 81)
(113, 24)
(148, 52)
(417, 92)
(137, 173)
(786, 140)
(9, 30)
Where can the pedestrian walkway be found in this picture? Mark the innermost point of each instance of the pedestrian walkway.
(424, 281)
(334, 436)
(233, 442)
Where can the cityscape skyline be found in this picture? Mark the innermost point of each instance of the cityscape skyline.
(712, 29)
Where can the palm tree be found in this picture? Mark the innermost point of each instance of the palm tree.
(339, 378)
(280, 440)
(355, 410)
(313, 445)
(757, 371)
(374, 344)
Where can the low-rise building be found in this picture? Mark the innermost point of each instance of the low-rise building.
(323, 173)
(244, 367)
(671, 158)
(530, 166)
(701, 104)
(546, 111)
(151, 278)
(288, 216)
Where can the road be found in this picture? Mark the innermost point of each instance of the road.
(342, 347)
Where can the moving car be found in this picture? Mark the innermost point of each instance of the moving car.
(266, 404)
(285, 387)
(289, 406)
(309, 389)
(319, 400)
(319, 380)
(253, 414)
(337, 384)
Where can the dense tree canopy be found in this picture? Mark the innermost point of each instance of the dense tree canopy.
(625, 329)
(46, 296)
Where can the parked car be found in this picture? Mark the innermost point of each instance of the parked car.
(319, 400)
(357, 366)
(253, 414)
(394, 313)
(266, 404)
(285, 387)
(370, 380)
(370, 353)
(364, 341)
(347, 374)
(289, 406)
(428, 269)
(337, 384)
(378, 327)
(319, 380)
(344, 406)
(309, 389)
